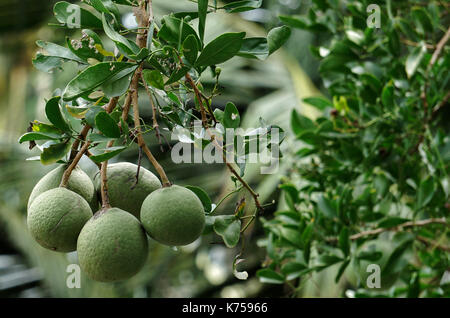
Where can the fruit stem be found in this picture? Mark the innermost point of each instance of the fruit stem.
(68, 171)
(141, 142)
(75, 155)
(104, 181)
(154, 112)
(104, 178)
(144, 17)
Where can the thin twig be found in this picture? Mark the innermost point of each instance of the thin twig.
(81, 136)
(154, 112)
(76, 155)
(439, 48)
(126, 108)
(218, 147)
(138, 169)
(141, 141)
(433, 244)
(440, 105)
(395, 228)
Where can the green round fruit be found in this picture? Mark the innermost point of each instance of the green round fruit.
(112, 246)
(79, 182)
(122, 191)
(173, 216)
(95, 202)
(56, 217)
(358, 271)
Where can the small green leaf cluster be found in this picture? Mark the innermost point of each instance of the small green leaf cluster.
(374, 165)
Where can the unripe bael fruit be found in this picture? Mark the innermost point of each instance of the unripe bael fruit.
(112, 246)
(56, 217)
(361, 271)
(173, 215)
(122, 191)
(79, 182)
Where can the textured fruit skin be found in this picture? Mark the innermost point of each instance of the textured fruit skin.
(173, 216)
(121, 178)
(56, 217)
(95, 203)
(112, 246)
(79, 182)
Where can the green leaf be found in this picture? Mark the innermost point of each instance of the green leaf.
(203, 196)
(110, 153)
(46, 63)
(371, 255)
(92, 77)
(341, 271)
(293, 270)
(277, 37)
(106, 7)
(153, 78)
(228, 227)
(387, 95)
(291, 194)
(190, 49)
(209, 224)
(319, 102)
(307, 234)
(344, 241)
(394, 264)
(218, 113)
(414, 59)
(91, 113)
(119, 83)
(54, 152)
(231, 117)
(107, 125)
(221, 49)
(54, 56)
(53, 113)
(56, 50)
(177, 75)
(269, 276)
(124, 45)
(421, 15)
(427, 188)
(414, 286)
(170, 31)
(256, 48)
(202, 11)
(241, 6)
(327, 260)
(99, 138)
(326, 207)
(74, 16)
(45, 128)
(295, 22)
(333, 64)
(86, 47)
(392, 221)
(292, 236)
(29, 136)
(300, 123)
